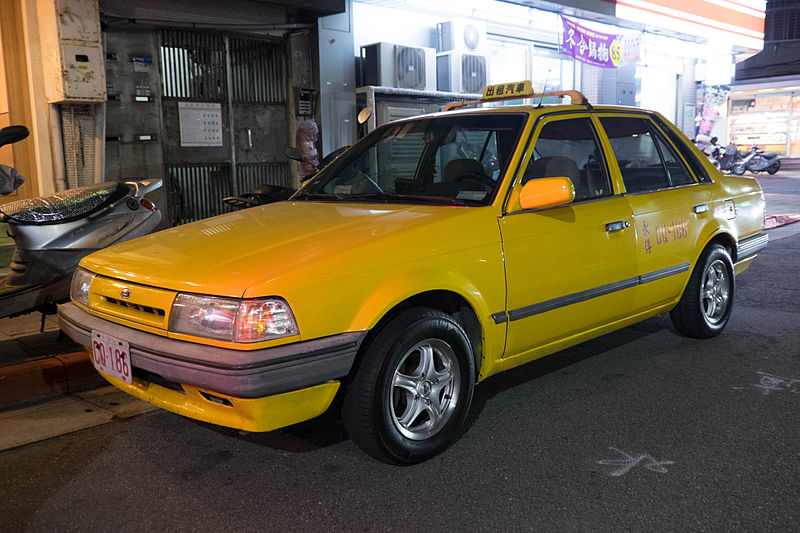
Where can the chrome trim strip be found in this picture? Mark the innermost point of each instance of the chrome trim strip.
(751, 245)
(500, 318)
(602, 290)
(663, 273)
(569, 299)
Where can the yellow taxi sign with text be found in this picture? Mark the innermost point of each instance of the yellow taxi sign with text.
(521, 89)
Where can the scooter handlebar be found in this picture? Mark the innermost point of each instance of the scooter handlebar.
(142, 187)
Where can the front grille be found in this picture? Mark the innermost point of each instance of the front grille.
(130, 305)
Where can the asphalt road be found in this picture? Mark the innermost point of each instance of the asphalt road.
(638, 430)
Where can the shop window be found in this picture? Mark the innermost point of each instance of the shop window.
(508, 61)
(761, 120)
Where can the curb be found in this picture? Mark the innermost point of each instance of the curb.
(47, 378)
(776, 221)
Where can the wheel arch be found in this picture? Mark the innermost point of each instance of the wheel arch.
(723, 238)
(449, 302)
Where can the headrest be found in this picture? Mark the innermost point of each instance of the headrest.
(553, 167)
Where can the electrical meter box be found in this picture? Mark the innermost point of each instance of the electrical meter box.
(72, 51)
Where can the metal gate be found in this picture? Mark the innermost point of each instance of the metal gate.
(225, 118)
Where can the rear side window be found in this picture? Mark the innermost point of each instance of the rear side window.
(646, 160)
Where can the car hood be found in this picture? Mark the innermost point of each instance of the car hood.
(246, 252)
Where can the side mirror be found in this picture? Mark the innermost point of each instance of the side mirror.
(294, 153)
(539, 193)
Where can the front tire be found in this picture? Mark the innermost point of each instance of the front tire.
(738, 169)
(706, 304)
(411, 393)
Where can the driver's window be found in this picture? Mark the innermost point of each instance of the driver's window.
(569, 148)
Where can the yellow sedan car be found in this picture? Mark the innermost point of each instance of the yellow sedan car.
(436, 252)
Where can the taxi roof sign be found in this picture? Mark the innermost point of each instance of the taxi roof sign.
(516, 90)
(521, 89)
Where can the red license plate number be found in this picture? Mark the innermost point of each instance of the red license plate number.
(111, 356)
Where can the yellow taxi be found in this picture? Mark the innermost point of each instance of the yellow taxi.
(434, 253)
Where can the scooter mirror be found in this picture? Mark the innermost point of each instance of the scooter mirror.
(294, 153)
(12, 134)
(364, 115)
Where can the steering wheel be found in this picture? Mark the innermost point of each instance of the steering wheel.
(364, 178)
(481, 178)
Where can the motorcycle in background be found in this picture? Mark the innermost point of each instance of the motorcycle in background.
(756, 161)
(729, 157)
(710, 149)
(52, 233)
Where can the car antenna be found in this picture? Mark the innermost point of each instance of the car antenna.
(544, 89)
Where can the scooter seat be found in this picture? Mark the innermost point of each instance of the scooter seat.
(769, 155)
(65, 206)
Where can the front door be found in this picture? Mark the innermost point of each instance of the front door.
(569, 269)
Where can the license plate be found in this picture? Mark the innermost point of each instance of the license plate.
(111, 356)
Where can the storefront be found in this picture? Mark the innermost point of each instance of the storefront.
(662, 51)
(766, 114)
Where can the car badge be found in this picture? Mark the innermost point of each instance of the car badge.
(125, 293)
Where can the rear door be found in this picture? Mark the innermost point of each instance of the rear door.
(668, 203)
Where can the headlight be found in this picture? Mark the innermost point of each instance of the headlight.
(81, 283)
(232, 319)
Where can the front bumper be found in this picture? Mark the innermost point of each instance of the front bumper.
(258, 390)
(239, 373)
(258, 414)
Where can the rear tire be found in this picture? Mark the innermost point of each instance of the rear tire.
(707, 301)
(774, 168)
(411, 393)
(738, 169)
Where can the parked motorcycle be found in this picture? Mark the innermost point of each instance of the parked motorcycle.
(729, 157)
(52, 233)
(756, 160)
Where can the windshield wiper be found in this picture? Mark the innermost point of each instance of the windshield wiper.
(389, 197)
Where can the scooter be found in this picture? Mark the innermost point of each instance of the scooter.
(756, 160)
(52, 233)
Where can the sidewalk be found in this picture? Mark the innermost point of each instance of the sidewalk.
(36, 365)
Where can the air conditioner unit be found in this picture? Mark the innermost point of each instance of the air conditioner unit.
(462, 36)
(461, 73)
(394, 65)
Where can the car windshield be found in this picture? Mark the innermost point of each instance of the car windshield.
(447, 160)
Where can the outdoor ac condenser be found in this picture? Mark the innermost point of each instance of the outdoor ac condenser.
(462, 35)
(461, 73)
(394, 65)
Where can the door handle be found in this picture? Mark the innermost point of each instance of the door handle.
(701, 208)
(617, 226)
